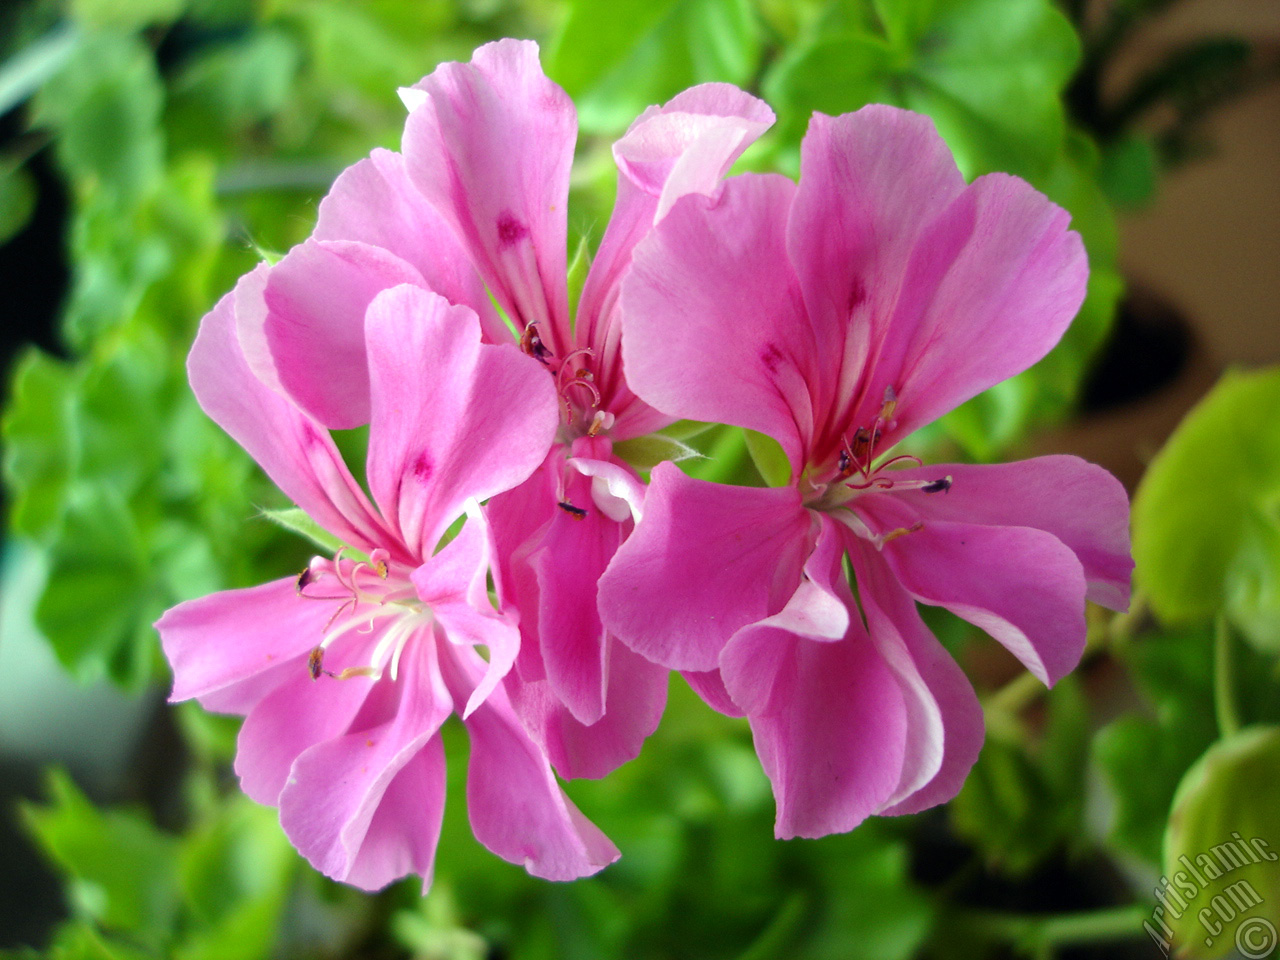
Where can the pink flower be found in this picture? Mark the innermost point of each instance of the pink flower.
(476, 205)
(837, 317)
(347, 672)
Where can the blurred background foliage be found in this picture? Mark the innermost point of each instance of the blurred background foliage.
(151, 151)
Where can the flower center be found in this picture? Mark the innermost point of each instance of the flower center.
(856, 472)
(370, 594)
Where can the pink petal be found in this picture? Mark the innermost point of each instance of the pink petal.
(375, 202)
(869, 183)
(516, 519)
(916, 282)
(1022, 586)
(615, 488)
(335, 788)
(944, 718)
(296, 716)
(706, 560)
(686, 146)
(713, 327)
(453, 583)
(1078, 502)
(453, 419)
(818, 610)
(402, 836)
(571, 555)
(490, 147)
(293, 450)
(223, 639)
(1004, 299)
(709, 685)
(517, 808)
(316, 300)
(831, 728)
(636, 696)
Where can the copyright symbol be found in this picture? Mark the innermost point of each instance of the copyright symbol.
(1256, 938)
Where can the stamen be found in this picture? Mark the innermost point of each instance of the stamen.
(877, 540)
(315, 661)
(900, 532)
(532, 344)
(603, 420)
(890, 403)
(899, 458)
(578, 513)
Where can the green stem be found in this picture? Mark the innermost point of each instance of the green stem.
(1224, 688)
(1040, 936)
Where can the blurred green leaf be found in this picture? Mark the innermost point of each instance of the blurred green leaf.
(989, 73)
(640, 54)
(130, 15)
(78, 940)
(588, 44)
(122, 870)
(1021, 804)
(38, 444)
(234, 873)
(27, 70)
(1223, 841)
(1130, 169)
(17, 200)
(1175, 673)
(104, 106)
(97, 604)
(1206, 517)
(241, 84)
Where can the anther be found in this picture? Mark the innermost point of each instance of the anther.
(941, 485)
(576, 512)
(900, 532)
(532, 344)
(890, 404)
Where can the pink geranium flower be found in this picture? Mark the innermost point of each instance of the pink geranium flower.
(837, 317)
(346, 672)
(476, 205)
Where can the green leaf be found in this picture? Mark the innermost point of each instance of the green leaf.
(1206, 518)
(240, 84)
(105, 109)
(645, 453)
(644, 53)
(578, 269)
(98, 602)
(769, 457)
(296, 520)
(989, 73)
(1222, 849)
(588, 44)
(1174, 671)
(38, 444)
(235, 869)
(122, 871)
(1130, 169)
(17, 200)
(1022, 803)
(126, 16)
(27, 70)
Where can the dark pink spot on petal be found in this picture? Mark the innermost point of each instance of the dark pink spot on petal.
(857, 294)
(510, 231)
(423, 467)
(770, 357)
